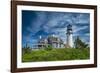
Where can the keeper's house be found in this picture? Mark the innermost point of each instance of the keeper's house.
(54, 41)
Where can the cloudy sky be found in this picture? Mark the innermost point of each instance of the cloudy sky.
(44, 23)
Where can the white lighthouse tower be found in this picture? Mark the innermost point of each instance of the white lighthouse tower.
(69, 41)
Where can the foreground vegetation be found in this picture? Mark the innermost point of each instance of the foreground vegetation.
(55, 54)
(81, 51)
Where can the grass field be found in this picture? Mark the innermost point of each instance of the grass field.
(56, 55)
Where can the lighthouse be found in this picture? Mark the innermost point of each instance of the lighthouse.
(69, 34)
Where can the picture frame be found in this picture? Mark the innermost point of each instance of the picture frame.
(16, 24)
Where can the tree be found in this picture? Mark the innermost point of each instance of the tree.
(26, 49)
(79, 43)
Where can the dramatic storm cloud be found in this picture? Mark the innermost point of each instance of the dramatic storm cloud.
(43, 23)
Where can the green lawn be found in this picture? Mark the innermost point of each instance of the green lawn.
(56, 55)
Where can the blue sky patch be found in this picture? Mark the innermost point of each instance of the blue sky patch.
(45, 23)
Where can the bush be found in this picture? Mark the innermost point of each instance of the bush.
(53, 54)
(26, 50)
(49, 47)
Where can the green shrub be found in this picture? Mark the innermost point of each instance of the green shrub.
(26, 50)
(53, 54)
(49, 47)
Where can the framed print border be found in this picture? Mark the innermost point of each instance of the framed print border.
(14, 39)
